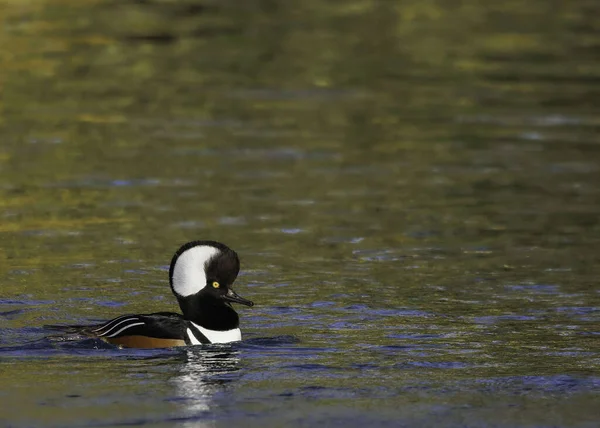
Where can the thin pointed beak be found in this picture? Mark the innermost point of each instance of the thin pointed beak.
(231, 296)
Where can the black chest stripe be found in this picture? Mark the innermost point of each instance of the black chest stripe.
(197, 333)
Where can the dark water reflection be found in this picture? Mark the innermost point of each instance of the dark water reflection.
(412, 188)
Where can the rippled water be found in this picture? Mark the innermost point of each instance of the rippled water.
(412, 189)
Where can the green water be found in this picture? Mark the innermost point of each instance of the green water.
(413, 189)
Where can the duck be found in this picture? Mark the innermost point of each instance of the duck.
(201, 276)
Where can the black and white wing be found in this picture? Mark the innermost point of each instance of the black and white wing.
(125, 325)
(162, 325)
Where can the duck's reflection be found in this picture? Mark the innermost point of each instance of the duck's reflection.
(204, 373)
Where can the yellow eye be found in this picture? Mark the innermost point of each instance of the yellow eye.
(216, 284)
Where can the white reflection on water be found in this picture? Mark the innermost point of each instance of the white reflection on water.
(203, 374)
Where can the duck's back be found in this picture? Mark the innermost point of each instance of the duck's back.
(157, 330)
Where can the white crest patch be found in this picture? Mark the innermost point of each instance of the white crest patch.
(189, 272)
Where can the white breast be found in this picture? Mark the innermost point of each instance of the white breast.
(215, 336)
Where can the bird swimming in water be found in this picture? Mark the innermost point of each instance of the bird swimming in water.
(201, 276)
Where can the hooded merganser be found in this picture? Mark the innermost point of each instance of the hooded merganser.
(201, 276)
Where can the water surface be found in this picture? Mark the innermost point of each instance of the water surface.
(412, 189)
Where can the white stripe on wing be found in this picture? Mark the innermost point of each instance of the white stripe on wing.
(111, 322)
(106, 333)
(125, 328)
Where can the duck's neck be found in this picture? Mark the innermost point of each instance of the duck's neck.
(209, 313)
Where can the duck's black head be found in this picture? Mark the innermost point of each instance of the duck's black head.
(201, 276)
